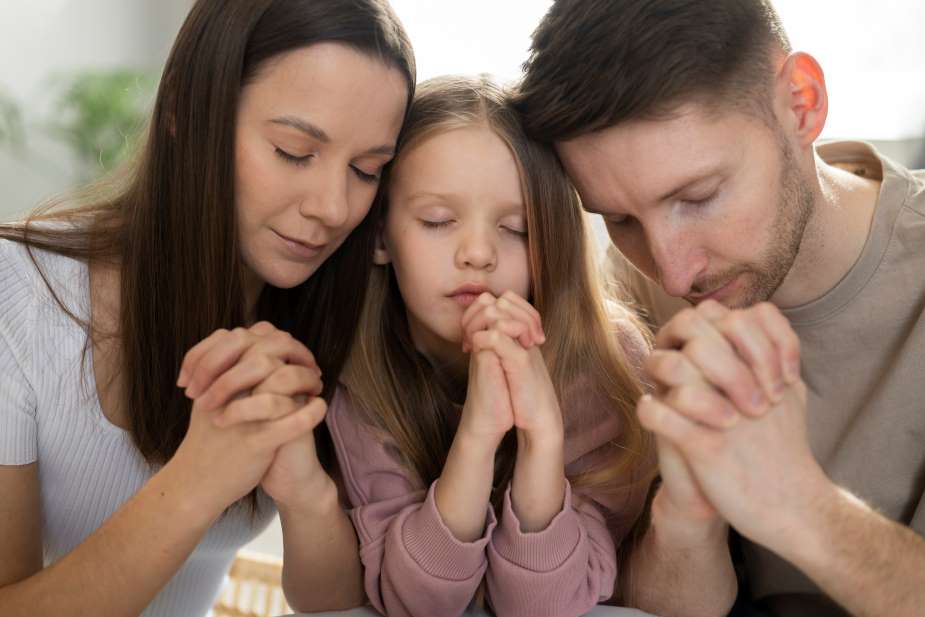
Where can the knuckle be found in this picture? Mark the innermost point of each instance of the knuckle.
(707, 307)
(684, 397)
(736, 321)
(263, 364)
(685, 317)
(699, 348)
(766, 310)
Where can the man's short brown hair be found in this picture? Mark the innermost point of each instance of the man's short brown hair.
(597, 63)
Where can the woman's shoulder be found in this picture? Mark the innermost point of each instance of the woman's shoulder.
(17, 274)
(30, 274)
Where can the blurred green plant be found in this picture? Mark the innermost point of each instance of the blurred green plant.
(12, 131)
(100, 115)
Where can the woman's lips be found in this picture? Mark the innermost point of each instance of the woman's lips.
(304, 250)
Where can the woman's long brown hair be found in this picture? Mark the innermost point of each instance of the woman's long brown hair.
(397, 389)
(167, 220)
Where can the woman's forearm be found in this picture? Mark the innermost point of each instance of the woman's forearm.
(321, 565)
(118, 569)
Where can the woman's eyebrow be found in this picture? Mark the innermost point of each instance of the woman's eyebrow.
(318, 133)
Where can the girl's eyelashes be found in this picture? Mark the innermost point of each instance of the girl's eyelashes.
(435, 224)
(301, 161)
(514, 230)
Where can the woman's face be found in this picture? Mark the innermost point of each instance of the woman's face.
(314, 130)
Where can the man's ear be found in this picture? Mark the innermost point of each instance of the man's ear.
(801, 98)
(381, 255)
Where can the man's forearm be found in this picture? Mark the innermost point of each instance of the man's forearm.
(861, 559)
(675, 575)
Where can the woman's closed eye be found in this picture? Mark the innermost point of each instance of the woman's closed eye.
(301, 161)
(366, 176)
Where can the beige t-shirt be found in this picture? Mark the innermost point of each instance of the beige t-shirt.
(863, 360)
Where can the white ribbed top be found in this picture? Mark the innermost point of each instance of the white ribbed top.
(50, 413)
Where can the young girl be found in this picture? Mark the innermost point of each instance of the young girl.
(271, 127)
(484, 424)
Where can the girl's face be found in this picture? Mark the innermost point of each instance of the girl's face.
(314, 130)
(456, 227)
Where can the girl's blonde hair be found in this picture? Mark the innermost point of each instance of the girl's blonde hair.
(398, 390)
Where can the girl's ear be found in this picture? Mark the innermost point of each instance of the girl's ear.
(381, 255)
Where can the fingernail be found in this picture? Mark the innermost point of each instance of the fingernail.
(793, 371)
(777, 391)
(730, 417)
(758, 401)
(181, 379)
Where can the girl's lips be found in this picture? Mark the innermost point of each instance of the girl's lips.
(465, 298)
(468, 293)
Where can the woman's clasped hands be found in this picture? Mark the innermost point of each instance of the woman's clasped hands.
(256, 399)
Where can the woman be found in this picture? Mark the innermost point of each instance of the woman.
(271, 127)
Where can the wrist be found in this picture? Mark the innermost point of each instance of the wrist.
(540, 443)
(193, 501)
(317, 498)
(804, 538)
(480, 445)
(670, 527)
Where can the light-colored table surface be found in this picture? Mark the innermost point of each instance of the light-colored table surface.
(599, 611)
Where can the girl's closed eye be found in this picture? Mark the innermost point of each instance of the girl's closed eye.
(515, 225)
(436, 217)
(436, 224)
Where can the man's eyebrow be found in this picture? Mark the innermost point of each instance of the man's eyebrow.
(691, 180)
(310, 129)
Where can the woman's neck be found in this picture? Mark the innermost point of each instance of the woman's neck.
(253, 287)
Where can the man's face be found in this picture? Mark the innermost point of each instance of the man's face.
(708, 206)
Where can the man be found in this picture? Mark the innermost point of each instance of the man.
(689, 125)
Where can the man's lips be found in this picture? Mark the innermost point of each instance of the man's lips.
(718, 293)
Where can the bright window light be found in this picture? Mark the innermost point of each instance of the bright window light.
(873, 54)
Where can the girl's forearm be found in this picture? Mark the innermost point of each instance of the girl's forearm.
(538, 485)
(463, 491)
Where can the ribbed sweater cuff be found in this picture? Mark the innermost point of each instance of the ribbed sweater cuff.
(434, 547)
(540, 551)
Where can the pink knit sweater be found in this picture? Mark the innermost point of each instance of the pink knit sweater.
(415, 567)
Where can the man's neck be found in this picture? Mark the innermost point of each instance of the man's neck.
(835, 235)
